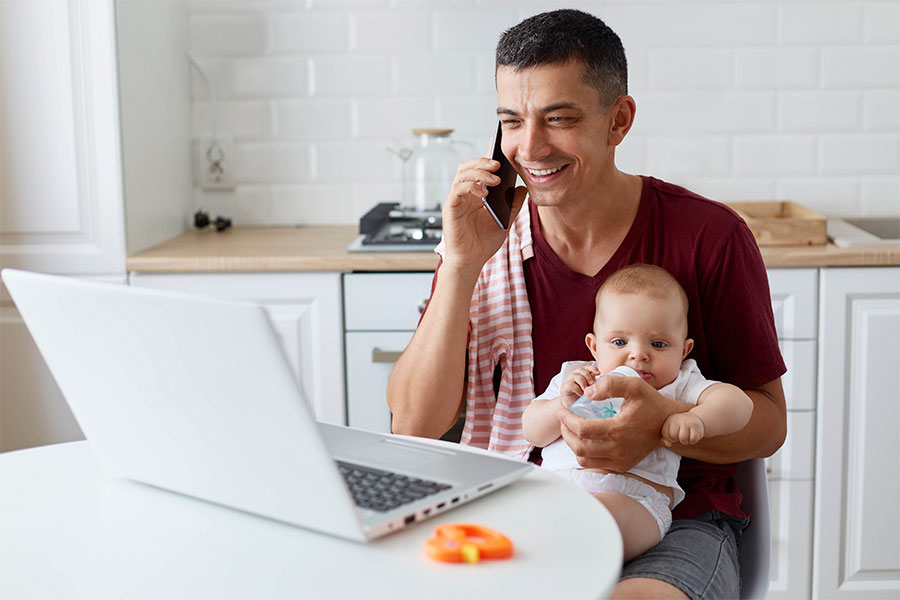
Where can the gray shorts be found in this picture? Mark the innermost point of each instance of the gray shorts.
(698, 556)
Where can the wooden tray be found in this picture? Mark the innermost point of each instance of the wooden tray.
(783, 223)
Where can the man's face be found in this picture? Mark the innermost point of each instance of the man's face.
(555, 131)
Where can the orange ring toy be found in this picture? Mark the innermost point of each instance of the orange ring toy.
(466, 542)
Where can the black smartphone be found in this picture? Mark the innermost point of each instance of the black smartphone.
(499, 199)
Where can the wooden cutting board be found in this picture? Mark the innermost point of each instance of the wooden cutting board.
(783, 223)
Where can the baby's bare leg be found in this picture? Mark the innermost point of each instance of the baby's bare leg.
(639, 529)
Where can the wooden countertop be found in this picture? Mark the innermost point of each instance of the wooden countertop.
(324, 248)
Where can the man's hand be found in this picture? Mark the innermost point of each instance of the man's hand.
(619, 443)
(470, 234)
(684, 428)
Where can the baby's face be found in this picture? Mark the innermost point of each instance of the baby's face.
(641, 332)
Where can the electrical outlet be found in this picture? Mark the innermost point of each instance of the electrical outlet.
(215, 164)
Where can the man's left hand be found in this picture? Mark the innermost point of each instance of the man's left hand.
(619, 443)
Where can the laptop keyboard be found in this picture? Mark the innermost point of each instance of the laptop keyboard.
(382, 490)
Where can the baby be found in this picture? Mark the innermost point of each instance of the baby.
(641, 323)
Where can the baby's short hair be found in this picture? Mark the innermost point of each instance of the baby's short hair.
(644, 279)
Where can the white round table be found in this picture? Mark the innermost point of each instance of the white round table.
(67, 530)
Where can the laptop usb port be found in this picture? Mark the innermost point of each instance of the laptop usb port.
(454, 501)
(409, 519)
(441, 505)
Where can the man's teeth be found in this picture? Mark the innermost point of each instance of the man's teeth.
(542, 172)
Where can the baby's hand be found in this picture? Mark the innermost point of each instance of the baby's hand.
(573, 387)
(682, 428)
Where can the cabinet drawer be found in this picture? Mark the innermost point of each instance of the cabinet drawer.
(384, 301)
(370, 356)
(794, 460)
(790, 511)
(794, 301)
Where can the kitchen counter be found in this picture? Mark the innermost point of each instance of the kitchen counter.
(324, 248)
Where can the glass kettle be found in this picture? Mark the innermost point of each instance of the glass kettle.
(429, 167)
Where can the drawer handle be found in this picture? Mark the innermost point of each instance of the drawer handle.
(384, 356)
(421, 306)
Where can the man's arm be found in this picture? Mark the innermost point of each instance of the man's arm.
(619, 444)
(427, 385)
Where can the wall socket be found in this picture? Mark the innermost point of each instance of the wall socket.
(215, 164)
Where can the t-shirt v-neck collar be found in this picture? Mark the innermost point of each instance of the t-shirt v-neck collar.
(634, 232)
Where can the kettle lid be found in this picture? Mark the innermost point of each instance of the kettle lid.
(432, 131)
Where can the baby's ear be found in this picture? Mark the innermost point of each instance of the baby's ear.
(688, 346)
(590, 341)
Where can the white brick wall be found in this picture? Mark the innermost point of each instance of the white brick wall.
(757, 100)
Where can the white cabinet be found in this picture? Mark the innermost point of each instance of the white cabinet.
(95, 126)
(790, 470)
(305, 311)
(857, 511)
(61, 205)
(381, 311)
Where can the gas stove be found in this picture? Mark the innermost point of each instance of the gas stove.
(389, 228)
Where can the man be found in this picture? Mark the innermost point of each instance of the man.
(563, 104)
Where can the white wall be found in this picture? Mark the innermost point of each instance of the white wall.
(151, 46)
(739, 100)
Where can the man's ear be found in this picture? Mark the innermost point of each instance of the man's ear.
(688, 346)
(622, 112)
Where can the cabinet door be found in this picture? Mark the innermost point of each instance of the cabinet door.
(61, 194)
(857, 519)
(304, 309)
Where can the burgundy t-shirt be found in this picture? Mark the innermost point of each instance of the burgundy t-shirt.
(714, 256)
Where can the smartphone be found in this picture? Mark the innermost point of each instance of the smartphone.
(499, 199)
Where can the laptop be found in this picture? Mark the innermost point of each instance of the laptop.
(193, 394)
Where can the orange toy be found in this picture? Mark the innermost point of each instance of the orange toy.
(466, 542)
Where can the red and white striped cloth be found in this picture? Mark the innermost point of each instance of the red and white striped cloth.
(500, 332)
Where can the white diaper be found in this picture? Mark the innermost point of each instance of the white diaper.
(649, 497)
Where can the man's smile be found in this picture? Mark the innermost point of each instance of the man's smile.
(544, 174)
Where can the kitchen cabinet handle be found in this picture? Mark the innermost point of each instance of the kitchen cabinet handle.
(384, 356)
(421, 305)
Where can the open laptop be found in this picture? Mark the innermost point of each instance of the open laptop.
(193, 394)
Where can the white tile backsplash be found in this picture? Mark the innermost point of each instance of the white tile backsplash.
(390, 32)
(875, 154)
(820, 111)
(882, 23)
(313, 119)
(308, 32)
(777, 68)
(861, 67)
(738, 100)
(775, 155)
(809, 23)
(690, 69)
(881, 110)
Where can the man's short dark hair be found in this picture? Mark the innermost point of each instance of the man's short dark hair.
(560, 36)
